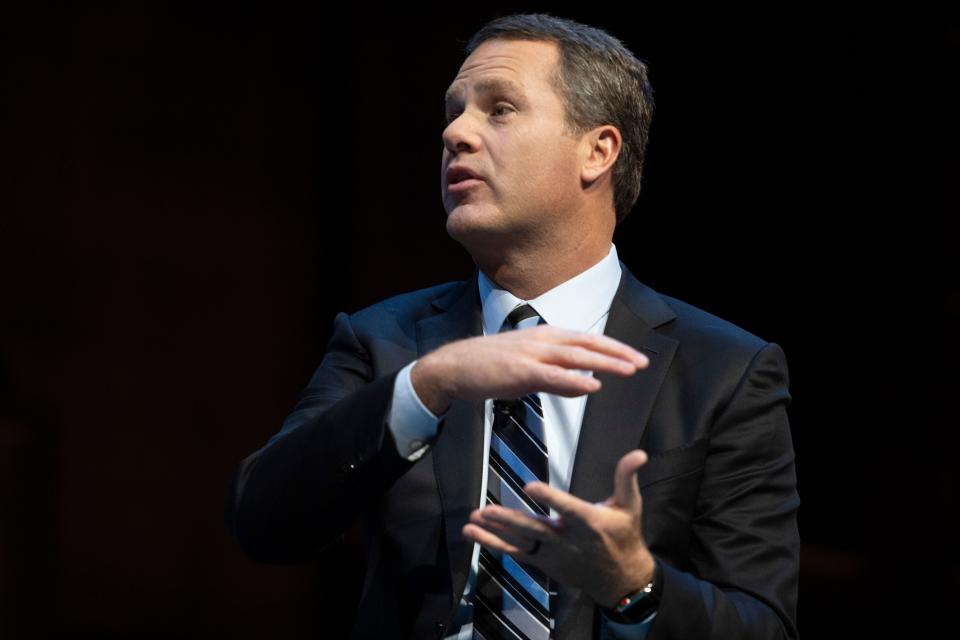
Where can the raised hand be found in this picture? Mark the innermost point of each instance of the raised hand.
(514, 363)
(598, 548)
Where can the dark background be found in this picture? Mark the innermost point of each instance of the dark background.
(195, 192)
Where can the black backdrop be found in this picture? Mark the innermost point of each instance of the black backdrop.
(195, 192)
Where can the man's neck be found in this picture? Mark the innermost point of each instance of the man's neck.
(528, 274)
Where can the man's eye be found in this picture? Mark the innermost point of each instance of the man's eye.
(499, 110)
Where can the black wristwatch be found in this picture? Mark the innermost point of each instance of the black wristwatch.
(638, 606)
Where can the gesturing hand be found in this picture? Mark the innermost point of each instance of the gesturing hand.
(596, 547)
(514, 363)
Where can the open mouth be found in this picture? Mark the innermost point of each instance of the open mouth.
(463, 184)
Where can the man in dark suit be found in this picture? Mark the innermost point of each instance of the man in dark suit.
(672, 493)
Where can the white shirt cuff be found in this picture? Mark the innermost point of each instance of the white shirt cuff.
(413, 425)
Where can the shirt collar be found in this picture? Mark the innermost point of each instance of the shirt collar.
(576, 304)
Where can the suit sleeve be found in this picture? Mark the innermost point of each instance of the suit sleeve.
(333, 457)
(745, 545)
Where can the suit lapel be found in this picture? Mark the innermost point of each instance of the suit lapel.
(615, 418)
(458, 453)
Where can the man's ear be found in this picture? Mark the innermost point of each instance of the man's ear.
(601, 146)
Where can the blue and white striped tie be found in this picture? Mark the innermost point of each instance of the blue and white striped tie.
(513, 600)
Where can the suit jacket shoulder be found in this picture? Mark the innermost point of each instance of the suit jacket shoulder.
(395, 318)
(698, 325)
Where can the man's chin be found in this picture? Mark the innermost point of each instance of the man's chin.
(469, 220)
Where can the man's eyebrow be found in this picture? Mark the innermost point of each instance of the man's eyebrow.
(488, 85)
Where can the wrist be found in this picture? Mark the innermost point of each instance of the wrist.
(427, 383)
(637, 575)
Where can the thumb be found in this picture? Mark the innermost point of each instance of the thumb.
(626, 489)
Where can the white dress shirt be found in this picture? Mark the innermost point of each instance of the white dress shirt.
(582, 303)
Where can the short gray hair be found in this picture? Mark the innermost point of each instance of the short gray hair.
(600, 81)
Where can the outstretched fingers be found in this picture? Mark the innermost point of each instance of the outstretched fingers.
(574, 511)
(626, 489)
(598, 343)
(566, 382)
(580, 357)
(489, 540)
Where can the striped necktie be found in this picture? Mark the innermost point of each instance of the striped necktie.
(512, 599)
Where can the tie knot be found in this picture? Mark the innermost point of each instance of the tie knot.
(520, 314)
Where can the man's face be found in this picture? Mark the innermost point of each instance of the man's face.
(505, 124)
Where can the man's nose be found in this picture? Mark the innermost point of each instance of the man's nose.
(459, 135)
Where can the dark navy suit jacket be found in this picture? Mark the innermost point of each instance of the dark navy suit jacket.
(719, 490)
